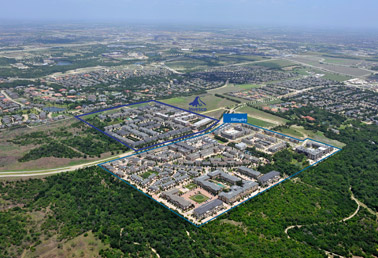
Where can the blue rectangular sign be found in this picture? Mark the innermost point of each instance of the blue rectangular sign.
(235, 118)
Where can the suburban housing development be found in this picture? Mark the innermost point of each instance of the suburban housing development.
(151, 124)
(200, 177)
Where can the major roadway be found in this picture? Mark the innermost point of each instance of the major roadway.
(51, 171)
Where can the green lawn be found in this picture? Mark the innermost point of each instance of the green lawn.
(215, 114)
(259, 122)
(319, 136)
(147, 174)
(191, 186)
(292, 132)
(336, 77)
(248, 86)
(275, 64)
(199, 198)
(301, 71)
(261, 115)
(211, 101)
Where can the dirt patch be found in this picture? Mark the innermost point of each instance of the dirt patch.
(10, 206)
(232, 222)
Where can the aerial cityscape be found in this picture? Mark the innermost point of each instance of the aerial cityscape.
(189, 129)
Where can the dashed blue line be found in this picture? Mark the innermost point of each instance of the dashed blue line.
(218, 127)
(142, 102)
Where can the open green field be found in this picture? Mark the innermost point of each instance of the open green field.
(336, 77)
(335, 70)
(259, 122)
(211, 101)
(199, 198)
(191, 64)
(215, 114)
(248, 86)
(233, 87)
(327, 75)
(300, 132)
(274, 63)
(261, 115)
(342, 60)
(239, 58)
(292, 132)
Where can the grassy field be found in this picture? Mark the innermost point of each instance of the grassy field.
(233, 87)
(344, 61)
(248, 86)
(199, 198)
(275, 64)
(215, 114)
(147, 174)
(261, 115)
(191, 64)
(191, 186)
(327, 75)
(331, 68)
(211, 101)
(292, 132)
(336, 77)
(85, 245)
(302, 70)
(259, 122)
(319, 136)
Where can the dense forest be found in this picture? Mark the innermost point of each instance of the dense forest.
(133, 225)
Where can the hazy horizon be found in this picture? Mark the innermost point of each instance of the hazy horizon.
(342, 14)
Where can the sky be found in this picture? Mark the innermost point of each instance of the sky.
(308, 13)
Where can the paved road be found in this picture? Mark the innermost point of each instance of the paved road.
(7, 96)
(56, 170)
(171, 69)
(15, 101)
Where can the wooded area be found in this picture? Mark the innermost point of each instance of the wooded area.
(92, 199)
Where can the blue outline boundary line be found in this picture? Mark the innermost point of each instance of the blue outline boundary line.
(293, 175)
(143, 102)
